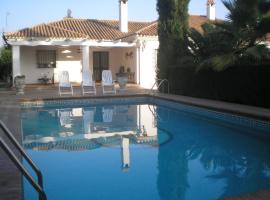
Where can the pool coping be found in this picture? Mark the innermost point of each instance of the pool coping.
(231, 108)
(221, 106)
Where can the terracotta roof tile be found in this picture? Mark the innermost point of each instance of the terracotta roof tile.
(194, 22)
(94, 29)
(45, 31)
(77, 28)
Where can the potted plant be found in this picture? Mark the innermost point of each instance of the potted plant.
(19, 82)
(122, 78)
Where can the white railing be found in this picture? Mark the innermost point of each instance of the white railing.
(158, 84)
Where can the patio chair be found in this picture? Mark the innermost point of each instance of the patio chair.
(65, 87)
(107, 82)
(88, 85)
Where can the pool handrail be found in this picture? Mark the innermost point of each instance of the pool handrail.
(38, 186)
(160, 82)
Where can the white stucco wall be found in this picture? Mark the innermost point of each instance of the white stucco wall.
(72, 62)
(147, 63)
(32, 72)
(29, 65)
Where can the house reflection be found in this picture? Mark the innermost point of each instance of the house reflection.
(77, 129)
(125, 154)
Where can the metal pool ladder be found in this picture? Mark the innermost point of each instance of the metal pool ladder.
(159, 83)
(37, 186)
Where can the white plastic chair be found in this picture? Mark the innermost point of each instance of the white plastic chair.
(88, 85)
(107, 82)
(65, 84)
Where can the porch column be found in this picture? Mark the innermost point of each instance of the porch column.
(85, 59)
(138, 65)
(16, 61)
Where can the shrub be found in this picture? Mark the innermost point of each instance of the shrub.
(5, 63)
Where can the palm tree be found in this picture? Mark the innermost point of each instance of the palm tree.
(236, 41)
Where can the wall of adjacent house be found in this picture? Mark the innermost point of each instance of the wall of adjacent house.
(148, 62)
(70, 62)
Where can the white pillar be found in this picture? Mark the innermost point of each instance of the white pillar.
(16, 61)
(85, 59)
(138, 65)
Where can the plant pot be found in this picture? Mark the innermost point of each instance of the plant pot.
(19, 83)
(122, 79)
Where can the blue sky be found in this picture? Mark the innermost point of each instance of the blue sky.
(26, 13)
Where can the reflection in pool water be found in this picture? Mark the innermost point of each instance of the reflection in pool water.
(142, 152)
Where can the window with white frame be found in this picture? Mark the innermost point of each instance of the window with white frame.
(46, 58)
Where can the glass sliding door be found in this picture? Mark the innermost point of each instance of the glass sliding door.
(101, 62)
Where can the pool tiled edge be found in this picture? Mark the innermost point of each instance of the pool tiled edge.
(214, 114)
(84, 101)
(204, 111)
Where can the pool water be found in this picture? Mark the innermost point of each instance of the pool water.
(143, 151)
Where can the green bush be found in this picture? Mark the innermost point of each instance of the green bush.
(239, 84)
(5, 63)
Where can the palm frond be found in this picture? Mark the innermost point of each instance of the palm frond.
(222, 62)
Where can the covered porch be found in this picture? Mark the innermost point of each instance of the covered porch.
(41, 62)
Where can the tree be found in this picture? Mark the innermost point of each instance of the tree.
(236, 41)
(5, 63)
(172, 32)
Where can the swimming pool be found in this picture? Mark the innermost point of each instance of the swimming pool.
(144, 148)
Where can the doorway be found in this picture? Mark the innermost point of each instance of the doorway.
(100, 63)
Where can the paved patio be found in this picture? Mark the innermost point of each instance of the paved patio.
(11, 179)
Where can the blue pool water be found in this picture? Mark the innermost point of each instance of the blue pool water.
(152, 150)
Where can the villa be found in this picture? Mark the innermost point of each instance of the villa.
(136, 144)
(82, 45)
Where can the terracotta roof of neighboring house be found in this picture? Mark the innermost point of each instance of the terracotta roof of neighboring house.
(196, 22)
(94, 29)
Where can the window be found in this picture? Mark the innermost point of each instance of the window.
(46, 58)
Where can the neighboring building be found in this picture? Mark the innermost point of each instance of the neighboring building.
(83, 45)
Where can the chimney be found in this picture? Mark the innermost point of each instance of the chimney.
(123, 15)
(211, 9)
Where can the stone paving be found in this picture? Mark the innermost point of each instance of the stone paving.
(11, 179)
